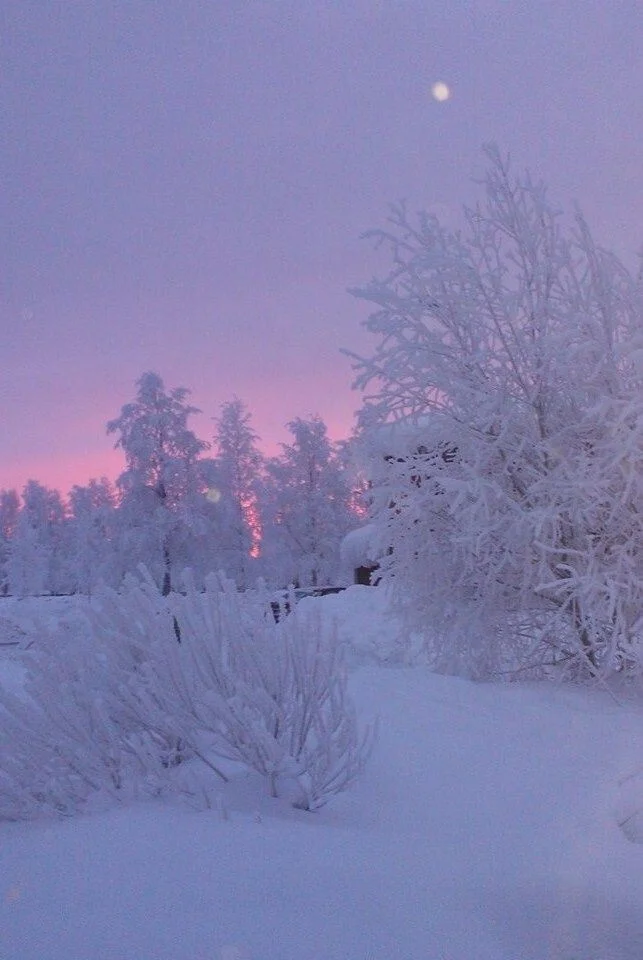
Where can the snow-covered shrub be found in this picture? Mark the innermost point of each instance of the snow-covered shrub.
(242, 688)
(65, 737)
(116, 713)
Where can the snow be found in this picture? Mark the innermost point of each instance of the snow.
(485, 827)
(356, 549)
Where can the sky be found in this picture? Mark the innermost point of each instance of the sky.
(185, 183)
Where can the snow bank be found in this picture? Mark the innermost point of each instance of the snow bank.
(367, 626)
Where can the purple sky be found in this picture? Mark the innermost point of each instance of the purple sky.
(184, 183)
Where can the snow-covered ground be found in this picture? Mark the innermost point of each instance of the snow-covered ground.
(485, 827)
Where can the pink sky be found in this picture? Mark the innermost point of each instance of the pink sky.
(184, 187)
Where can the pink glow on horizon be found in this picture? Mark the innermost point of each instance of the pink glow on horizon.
(63, 472)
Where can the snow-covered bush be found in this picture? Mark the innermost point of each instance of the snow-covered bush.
(65, 737)
(114, 714)
(508, 504)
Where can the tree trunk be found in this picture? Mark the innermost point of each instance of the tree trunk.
(583, 635)
(167, 576)
(166, 589)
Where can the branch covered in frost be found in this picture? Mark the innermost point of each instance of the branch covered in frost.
(504, 423)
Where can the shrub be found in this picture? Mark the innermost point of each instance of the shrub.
(113, 713)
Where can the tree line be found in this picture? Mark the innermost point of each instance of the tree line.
(182, 502)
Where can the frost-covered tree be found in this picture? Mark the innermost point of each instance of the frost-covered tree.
(164, 477)
(9, 510)
(239, 469)
(93, 535)
(356, 475)
(508, 499)
(38, 554)
(309, 503)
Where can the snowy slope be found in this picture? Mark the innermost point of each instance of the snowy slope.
(485, 827)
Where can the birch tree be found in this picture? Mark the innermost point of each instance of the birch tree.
(310, 505)
(510, 358)
(38, 556)
(239, 469)
(163, 474)
(93, 535)
(9, 510)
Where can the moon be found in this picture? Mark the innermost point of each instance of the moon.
(440, 91)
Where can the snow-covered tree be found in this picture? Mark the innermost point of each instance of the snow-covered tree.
(93, 539)
(309, 502)
(239, 468)
(9, 510)
(508, 499)
(38, 555)
(164, 476)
